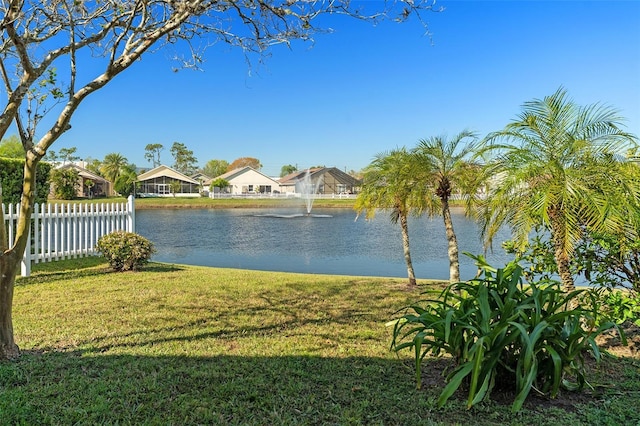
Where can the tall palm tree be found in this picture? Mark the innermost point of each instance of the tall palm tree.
(561, 169)
(388, 184)
(446, 167)
(113, 165)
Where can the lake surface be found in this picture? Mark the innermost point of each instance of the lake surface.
(333, 242)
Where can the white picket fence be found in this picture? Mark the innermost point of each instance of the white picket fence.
(64, 231)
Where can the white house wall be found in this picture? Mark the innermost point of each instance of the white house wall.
(240, 184)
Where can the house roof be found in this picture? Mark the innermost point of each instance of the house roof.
(297, 176)
(84, 173)
(166, 171)
(200, 176)
(339, 175)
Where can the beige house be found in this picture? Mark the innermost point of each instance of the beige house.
(163, 181)
(245, 181)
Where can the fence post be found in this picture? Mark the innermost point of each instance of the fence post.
(131, 217)
(25, 265)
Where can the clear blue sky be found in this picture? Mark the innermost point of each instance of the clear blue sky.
(364, 90)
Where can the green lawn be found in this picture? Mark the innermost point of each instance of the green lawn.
(241, 203)
(226, 203)
(193, 345)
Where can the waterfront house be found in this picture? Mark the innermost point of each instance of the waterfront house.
(246, 181)
(163, 181)
(325, 180)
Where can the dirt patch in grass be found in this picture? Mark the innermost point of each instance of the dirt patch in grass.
(611, 342)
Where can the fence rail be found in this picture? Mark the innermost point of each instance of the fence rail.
(64, 231)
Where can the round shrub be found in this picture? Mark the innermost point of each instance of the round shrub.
(125, 251)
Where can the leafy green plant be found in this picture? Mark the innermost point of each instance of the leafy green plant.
(501, 331)
(11, 172)
(610, 262)
(536, 255)
(602, 259)
(125, 251)
(66, 183)
(620, 306)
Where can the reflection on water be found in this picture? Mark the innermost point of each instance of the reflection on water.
(291, 216)
(330, 241)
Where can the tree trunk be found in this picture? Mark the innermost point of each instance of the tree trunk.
(562, 261)
(405, 247)
(452, 241)
(560, 253)
(10, 258)
(8, 267)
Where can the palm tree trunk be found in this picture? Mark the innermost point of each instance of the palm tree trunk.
(562, 261)
(452, 241)
(404, 226)
(560, 253)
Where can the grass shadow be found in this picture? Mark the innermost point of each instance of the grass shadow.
(82, 268)
(79, 388)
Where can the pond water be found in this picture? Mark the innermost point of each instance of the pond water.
(331, 241)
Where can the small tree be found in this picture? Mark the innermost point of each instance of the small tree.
(445, 168)
(389, 184)
(89, 184)
(175, 187)
(218, 183)
(66, 183)
(125, 184)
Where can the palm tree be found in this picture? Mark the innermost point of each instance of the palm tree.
(113, 165)
(388, 184)
(446, 167)
(561, 170)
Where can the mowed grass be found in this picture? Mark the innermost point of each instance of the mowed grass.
(176, 345)
(218, 203)
(227, 203)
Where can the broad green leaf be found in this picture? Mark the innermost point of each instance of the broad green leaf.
(454, 383)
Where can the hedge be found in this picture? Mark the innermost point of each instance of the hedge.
(11, 175)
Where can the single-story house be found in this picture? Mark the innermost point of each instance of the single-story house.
(246, 180)
(89, 184)
(325, 180)
(163, 181)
